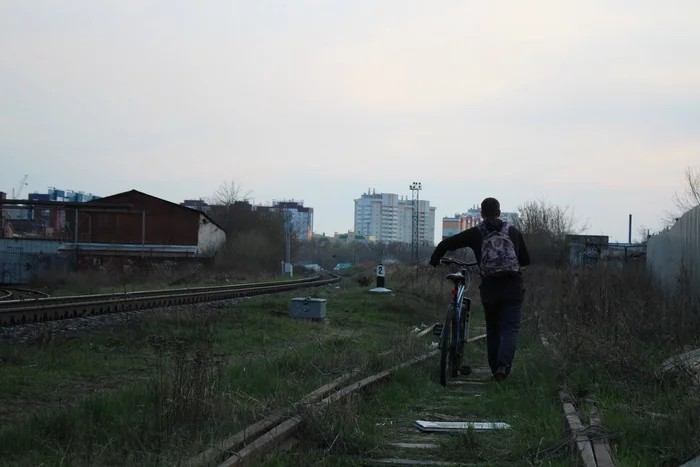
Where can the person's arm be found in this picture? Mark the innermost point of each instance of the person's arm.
(461, 240)
(523, 254)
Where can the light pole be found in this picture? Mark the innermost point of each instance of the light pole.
(288, 243)
(415, 188)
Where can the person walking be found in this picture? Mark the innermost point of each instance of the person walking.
(501, 254)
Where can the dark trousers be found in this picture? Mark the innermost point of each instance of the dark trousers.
(502, 326)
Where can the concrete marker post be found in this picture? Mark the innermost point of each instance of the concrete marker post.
(380, 273)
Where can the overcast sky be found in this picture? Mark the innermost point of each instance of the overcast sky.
(594, 104)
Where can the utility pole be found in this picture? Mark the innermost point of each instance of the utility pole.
(415, 188)
(288, 243)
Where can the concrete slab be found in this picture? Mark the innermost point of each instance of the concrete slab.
(693, 463)
(410, 462)
(403, 445)
(451, 427)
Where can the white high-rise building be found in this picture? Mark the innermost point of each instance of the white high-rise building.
(389, 218)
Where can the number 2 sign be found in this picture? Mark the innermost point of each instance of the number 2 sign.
(380, 270)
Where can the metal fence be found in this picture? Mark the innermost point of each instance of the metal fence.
(675, 251)
(21, 260)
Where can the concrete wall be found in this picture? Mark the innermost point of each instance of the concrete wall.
(22, 259)
(211, 237)
(667, 252)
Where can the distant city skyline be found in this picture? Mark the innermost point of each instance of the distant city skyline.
(438, 230)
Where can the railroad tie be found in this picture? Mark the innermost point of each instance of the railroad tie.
(419, 436)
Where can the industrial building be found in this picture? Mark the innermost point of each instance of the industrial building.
(388, 217)
(151, 221)
(198, 204)
(117, 231)
(71, 196)
(39, 221)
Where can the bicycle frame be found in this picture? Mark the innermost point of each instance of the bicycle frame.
(460, 321)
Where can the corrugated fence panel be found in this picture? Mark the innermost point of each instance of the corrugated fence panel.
(678, 247)
(22, 259)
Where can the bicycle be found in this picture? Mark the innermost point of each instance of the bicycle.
(455, 332)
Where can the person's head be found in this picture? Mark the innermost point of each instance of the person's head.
(490, 208)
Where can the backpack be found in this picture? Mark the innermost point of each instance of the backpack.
(498, 255)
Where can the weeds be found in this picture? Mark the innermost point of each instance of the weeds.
(611, 331)
(182, 381)
(144, 277)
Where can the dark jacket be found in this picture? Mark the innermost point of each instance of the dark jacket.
(509, 288)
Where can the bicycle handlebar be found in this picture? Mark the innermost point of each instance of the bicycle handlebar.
(457, 262)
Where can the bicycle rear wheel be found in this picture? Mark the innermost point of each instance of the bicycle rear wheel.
(448, 352)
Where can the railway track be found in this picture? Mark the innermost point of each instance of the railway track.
(20, 294)
(452, 428)
(277, 431)
(33, 310)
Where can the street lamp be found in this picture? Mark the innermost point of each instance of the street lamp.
(415, 188)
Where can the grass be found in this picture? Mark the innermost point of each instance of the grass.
(612, 330)
(650, 421)
(351, 432)
(161, 390)
(609, 332)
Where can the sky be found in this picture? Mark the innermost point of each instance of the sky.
(589, 104)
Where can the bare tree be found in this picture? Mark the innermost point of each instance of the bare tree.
(643, 232)
(541, 218)
(255, 238)
(687, 197)
(228, 193)
(545, 227)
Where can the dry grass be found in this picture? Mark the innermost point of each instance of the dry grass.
(610, 331)
(611, 315)
(201, 376)
(155, 277)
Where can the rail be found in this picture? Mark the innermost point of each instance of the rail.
(14, 312)
(266, 435)
(20, 292)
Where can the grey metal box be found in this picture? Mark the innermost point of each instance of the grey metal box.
(308, 308)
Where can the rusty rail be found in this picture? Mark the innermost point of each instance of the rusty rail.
(23, 293)
(14, 312)
(264, 437)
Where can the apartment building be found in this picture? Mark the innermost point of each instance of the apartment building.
(461, 222)
(301, 217)
(388, 217)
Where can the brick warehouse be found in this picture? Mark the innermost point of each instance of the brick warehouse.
(151, 221)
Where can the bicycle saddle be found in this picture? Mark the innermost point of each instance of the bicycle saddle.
(455, 277)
